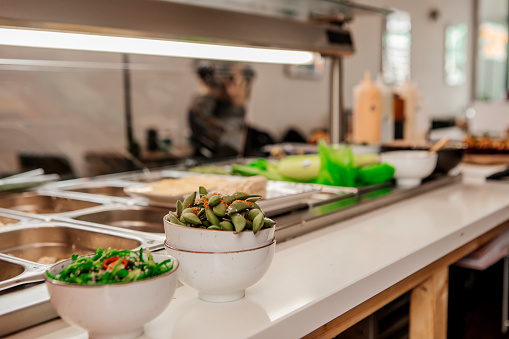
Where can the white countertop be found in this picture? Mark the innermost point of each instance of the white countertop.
(321, 275)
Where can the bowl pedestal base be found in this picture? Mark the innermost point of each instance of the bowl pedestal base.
(131, 334)
(222, 298)
(408, 182)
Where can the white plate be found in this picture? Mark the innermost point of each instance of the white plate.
(145, 191)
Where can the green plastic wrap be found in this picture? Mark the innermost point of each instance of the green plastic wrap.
(336, 166)
(374, 174)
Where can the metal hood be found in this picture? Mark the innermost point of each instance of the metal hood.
(185, 22)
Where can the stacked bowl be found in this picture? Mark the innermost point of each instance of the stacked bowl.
(220, 264)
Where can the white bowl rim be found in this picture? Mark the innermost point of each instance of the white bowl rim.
(227, 252)
(206, 229)
(420, 152)
(68, 284)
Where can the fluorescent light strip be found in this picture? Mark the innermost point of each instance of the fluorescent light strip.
(100, 43)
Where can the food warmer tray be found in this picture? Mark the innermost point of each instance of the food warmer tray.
(25, 303)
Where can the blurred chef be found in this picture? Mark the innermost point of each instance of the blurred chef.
(217, 114)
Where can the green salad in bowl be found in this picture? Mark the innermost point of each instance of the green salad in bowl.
(111, 266)
(112, 293)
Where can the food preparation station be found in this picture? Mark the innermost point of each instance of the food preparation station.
(75, 216)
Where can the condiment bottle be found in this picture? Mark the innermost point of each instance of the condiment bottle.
(387, 110)
(366, 119)
(399, 115)
(409, 93)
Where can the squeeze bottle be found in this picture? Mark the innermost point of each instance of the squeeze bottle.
(367, 112)
(413, 129)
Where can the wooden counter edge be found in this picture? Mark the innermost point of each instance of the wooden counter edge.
(350, 318)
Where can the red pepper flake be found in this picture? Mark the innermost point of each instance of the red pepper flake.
(110, 263)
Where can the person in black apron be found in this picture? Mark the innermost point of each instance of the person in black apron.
(217, 115)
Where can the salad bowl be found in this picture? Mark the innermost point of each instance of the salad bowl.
(118, 310)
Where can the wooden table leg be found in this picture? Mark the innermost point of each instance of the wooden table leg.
(428, 307)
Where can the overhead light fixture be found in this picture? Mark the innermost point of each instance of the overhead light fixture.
(101, 43)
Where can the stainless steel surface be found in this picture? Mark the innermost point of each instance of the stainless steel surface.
(59, 241)
(35, 203)
(114, 191)
(25, 305)
(22, 175)
(281, 196)
(335, 97)
(15, 272)
(9, 270)
(285, 28)
(314, 217)
(6, 220)
(139, 218)
(154, 175)
(288, 196)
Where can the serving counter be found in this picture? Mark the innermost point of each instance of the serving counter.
(337, 275)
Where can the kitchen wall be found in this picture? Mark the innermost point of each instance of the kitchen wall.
(427, 52)
(71, 103)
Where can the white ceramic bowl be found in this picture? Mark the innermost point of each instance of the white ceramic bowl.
(204, 240)
(223, 276)
(114, 310)
(411, 166)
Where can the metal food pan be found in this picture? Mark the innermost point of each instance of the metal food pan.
(36, 203)
(152, 176)
(16, 271)
(53, 241)
(102, 187)
(138, 218)
(6, 219)
(113, 191)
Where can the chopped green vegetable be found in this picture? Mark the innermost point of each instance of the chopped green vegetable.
(112, 266)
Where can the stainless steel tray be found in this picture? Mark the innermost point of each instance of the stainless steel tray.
(33, 241)
(107, 190)
(24, 300)
(138, 218)
(281, 196)
(41, 205)
(10, 219)
(15, 271)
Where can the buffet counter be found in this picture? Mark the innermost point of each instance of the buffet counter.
(341, 273)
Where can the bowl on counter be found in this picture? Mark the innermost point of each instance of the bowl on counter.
(410, 166)
(448, 157)
(223, 276)
(224, 243)
(113, 310)
(206, 240)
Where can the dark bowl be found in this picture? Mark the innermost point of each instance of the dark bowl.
(448, 157)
